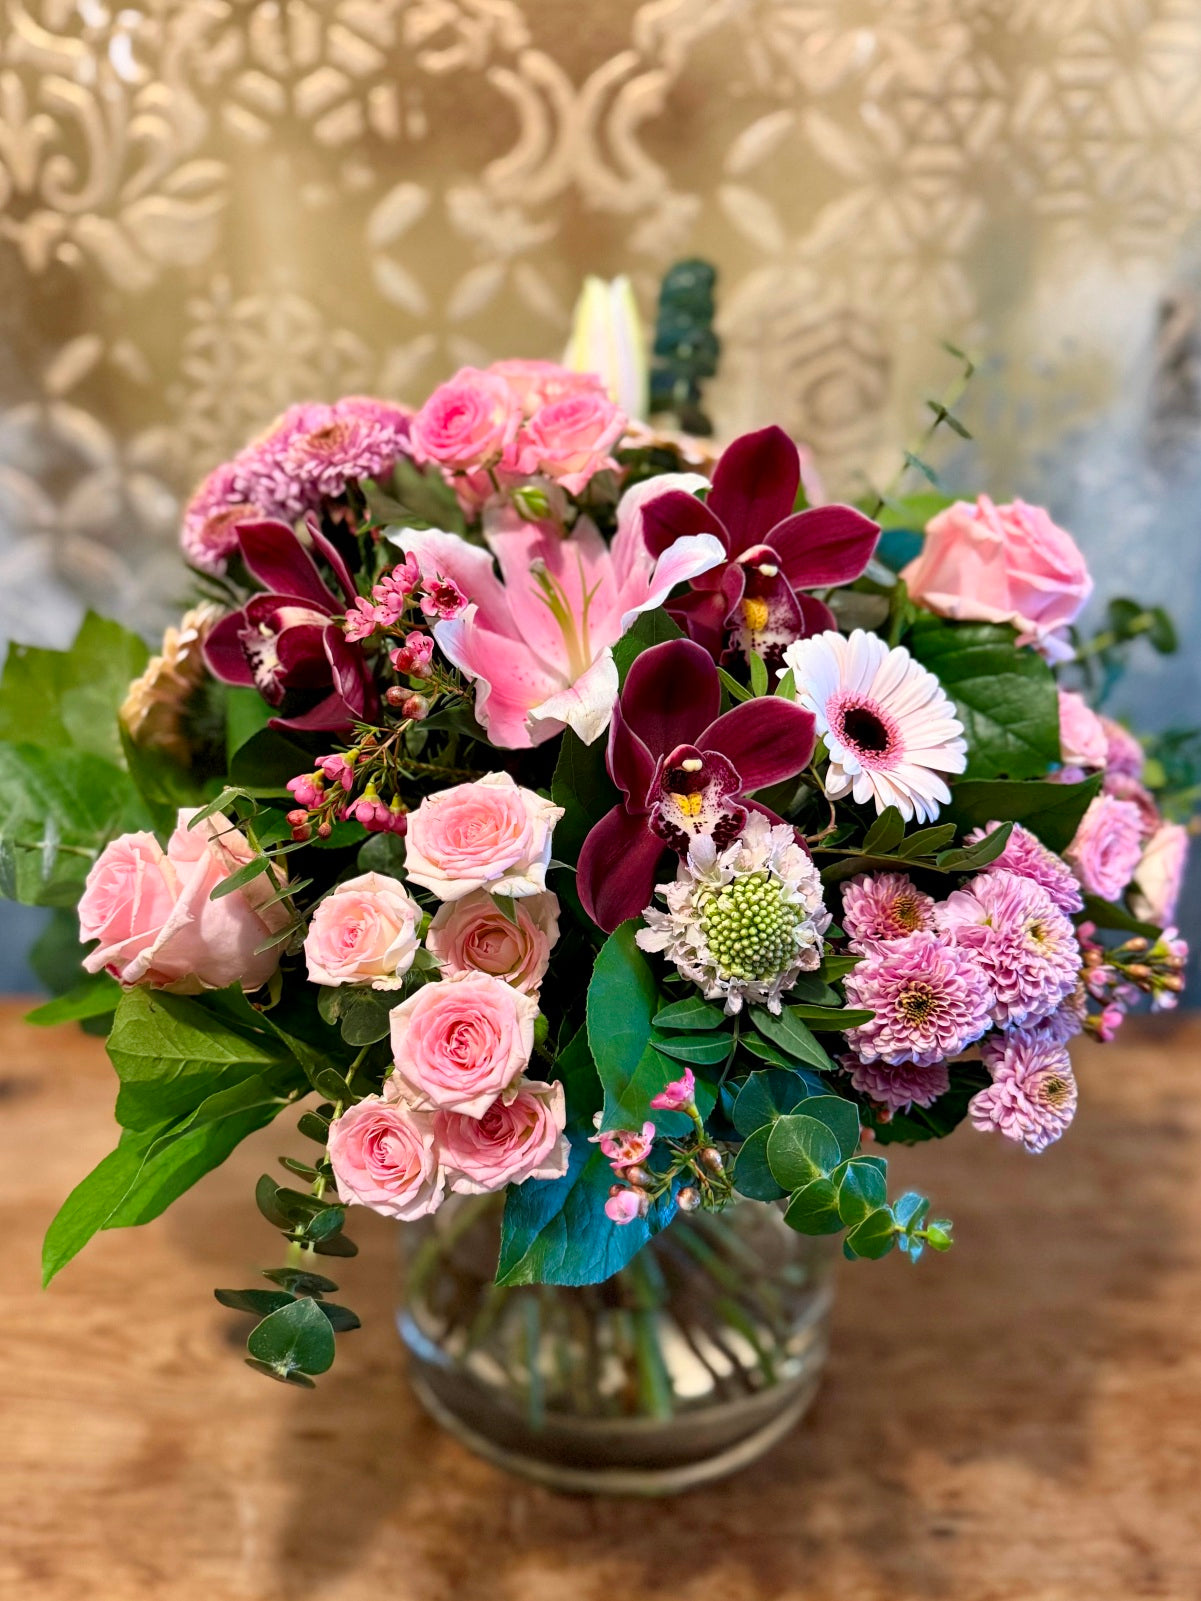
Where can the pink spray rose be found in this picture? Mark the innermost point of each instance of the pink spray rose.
(570, 439)
(466, 423)
(474, 936)
(491, 834)
(364, 932)
(513, 1141)
(152, 913)
(460, 1043)
(1002, 564)
(1160, 874)
(1107, 846)
(383, 1156)
(1123, 753)
(1083, 741)
(538, 383)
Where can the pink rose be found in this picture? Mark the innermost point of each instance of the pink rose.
(363, 932)
(1107, 846)
(490, 835)
(1160, 874)
(1082, 738)
(152, 913)
(1123, 753)
(514, 1140)
(570, 439)
(460, 1043)
(1002, 564)
(536, 383)
(474, 936)
(383, 1156)
(466, 423)
(1129, 789)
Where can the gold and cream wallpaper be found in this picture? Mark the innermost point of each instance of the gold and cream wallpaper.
(211, 208)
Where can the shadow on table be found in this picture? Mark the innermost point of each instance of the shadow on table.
(958, 1363)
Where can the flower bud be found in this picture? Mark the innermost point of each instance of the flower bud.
(1138, 943)
(711, 1157)
(532, 502)
(1139, 972)
(415, 707)
(324, 830)
(1173, 982)
(688, 1199)
(638, 1176)
(396, 695)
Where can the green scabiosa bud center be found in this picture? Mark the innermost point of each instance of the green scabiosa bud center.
(751, 928)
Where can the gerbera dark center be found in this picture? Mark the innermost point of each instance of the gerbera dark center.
(916, 1002)
(865, 730)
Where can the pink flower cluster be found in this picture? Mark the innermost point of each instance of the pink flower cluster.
(517, 420)
(628, 1149)
(308, 456)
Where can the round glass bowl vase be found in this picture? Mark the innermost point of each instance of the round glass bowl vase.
(687, 1365)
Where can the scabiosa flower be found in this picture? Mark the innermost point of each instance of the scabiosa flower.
(1021, 941)
(899, 1086)
(744, 922)
(1032, 1097)
(883, 906)
(931, 1001)
(1027, 856)
(888, 725)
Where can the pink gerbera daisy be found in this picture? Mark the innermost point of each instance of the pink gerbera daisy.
(1032, 1097)
(890, 729)
(1027, 856)
(1021, 940)
(882, 906)
(930, 1000)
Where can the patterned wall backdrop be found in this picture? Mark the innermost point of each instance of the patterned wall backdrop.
(210, 208)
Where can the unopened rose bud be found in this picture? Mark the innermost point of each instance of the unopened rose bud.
(415, 707)
(711, 1157)
(688, 1199)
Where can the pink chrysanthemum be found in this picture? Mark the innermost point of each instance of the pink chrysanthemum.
(1021, 940)
(347, 441)
(902, 1086)
(209, 534)
(1067, 1020)
(1032, 1097)
(260, 472)
(1027, 856)
(931, 1001)
(883, 906)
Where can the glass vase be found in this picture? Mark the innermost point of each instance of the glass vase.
(687, 1365)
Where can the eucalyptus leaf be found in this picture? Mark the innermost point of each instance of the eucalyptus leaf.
(752, 1176)
(813, 1208)
(296, 1338)
(800, 1149)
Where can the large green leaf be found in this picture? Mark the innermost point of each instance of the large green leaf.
(1005, 696)
(69, 699)
(938, 1119)
(650, 628)
(1052, 811)
(58, 810)
(623, 997)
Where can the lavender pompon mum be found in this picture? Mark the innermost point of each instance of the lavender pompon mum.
(931, 1001)
(899, 1087)
(1027, 856)
(1032, 1097)
(884, 906)
(1023, 943)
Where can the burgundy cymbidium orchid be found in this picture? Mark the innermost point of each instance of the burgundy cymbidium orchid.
(684, 771)
(291, 638)
(754, 601)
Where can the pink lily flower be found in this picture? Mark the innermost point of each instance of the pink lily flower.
(537, 641)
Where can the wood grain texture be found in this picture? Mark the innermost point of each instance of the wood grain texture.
(1019, 1420)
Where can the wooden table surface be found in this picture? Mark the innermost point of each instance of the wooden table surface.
(1021, 1419)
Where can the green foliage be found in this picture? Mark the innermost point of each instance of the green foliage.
(1052, 811)
(623, 998)
(1107, 914)
(96, 996)
(1005, 696)
(293, 1343)
(935, 1121)
(69, 699)
(685, 348)
(692, 1014)
(792, 1035)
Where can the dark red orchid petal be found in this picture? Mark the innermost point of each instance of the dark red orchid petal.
(824, 545)
(754, 486)
(329, 552)
(631, 766)
(618, 869)
(328, 716)
(702, 616)
(673, 515)
(275, 556)
(816, 616)
(671, 692)
(764, 613)
(767, 740)
(350, 673)
(697, 794)
(224, 652)
(300, 650)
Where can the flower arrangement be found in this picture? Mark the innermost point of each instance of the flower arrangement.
(519, 809)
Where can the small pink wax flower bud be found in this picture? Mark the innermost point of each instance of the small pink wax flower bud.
(688, 1199)
(415, 707)
(324, 830)
(443, 599)
(624, 1147)
(368, 809)
(396, 696)
(624, 1206)
(415, 655)
(677, 1096)
(638, 1176)
(338, 768)
(307, 790)
(361, 620)
(711, 1157)
(398, 817)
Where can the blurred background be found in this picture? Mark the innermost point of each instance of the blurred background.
(212, 208)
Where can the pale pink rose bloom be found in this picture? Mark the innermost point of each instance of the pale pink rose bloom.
(490, 834)
(537, 641)
(1082, 738)
(474, 936)
(460, 1043)
(515, 1140)
(466, 423)
(363, 932)
(152, 913)
(1160, 874)
(570, 439)
(1123, 752)
(537, 383)
(383, 1156)
(1002, 564)
(1107, 847)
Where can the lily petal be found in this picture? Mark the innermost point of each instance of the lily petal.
(585, 706)
(509, 679)
(687, 558)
